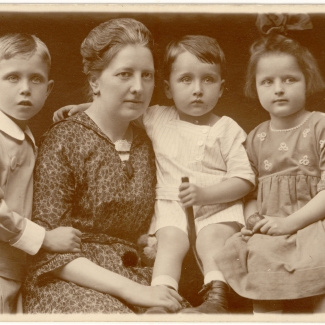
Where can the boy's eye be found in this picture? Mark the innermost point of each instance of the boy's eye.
(147, 75)
(37, 80)
(12, 78)
(208, 80)
(186, 80)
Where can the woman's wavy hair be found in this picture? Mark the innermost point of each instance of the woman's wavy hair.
(106, 40)
(279, 44)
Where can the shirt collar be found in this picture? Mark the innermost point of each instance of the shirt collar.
(8, 126)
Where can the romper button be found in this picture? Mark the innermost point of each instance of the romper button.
(13, 163)
(200, 143)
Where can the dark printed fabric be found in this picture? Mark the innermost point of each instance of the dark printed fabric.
(80, 182)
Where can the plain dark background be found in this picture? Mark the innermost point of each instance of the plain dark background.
(64, 32)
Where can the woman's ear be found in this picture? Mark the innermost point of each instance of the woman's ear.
(93, 82)
(168, 92)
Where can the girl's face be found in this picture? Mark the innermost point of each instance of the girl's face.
(281, 85)
(125, 87)
(194, 86)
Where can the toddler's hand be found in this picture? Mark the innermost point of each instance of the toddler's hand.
(65, 112)
(190, 194)
(246, 234)
(273, 226)
(62, 240)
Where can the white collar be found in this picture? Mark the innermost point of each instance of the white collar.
(8, 126)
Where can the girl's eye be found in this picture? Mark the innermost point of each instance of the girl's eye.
(186, 80)
(267, 82)
(124, 75)
(12, 78)
(290, 80)
(147, 75)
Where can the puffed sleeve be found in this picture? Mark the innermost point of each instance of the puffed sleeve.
(54, 189)
(234, 153)
(320, 143)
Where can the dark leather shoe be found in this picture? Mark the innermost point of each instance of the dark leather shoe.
(215, 299)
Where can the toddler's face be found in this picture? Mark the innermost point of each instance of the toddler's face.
(24, 86)
(281, 85)
(194, 86)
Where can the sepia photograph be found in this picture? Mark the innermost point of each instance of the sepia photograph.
(162, 162)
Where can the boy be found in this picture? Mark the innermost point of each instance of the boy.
(24, 86)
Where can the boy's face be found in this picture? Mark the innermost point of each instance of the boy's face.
(194, 86)
(24, 86)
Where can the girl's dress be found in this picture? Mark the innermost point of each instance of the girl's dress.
(80, 181)
(290, 165)
(208, 155)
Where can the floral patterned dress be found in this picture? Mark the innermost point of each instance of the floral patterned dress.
(290, 165)
(80, 181)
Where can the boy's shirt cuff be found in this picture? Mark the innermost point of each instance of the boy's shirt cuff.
(31, 239)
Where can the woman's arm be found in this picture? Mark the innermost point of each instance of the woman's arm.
(85, 273)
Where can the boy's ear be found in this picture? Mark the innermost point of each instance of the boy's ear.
(168, 93)
(222, 87)
(50, 85)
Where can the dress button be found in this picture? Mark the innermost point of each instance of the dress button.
(205, 130)
(198, 158)
(13, 163)
(200, 143)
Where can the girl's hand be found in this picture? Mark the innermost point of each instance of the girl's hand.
(190, 195)
(274, 226)
(246, 234)
(156, 296)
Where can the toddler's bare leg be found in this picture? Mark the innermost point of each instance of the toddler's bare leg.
(318, 304)
(173, 245)
(267, 306)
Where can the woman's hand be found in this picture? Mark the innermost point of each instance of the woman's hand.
(274, 226)
(190, 194)
(155, 296)
(246, 234)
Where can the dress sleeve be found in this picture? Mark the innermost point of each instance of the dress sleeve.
(320, 136)
(54, 189)
(235, 154)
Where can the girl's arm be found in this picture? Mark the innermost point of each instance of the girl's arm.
(85, 273)
(313, 211)
(227, 191)
(69, 110)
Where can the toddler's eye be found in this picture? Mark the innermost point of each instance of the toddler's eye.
(186, 80)
(12, 78)
(147, 75)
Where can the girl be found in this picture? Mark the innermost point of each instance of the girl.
(190, 140)
(283, 258)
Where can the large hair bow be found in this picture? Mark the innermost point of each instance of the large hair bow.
(281, 23)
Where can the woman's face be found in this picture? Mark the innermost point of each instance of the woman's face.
(125, 87)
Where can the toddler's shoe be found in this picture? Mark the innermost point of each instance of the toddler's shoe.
(215, 299)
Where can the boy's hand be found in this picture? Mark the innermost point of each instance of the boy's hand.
(62, 240)
(65, 112)
(246, 234)
(190, 194)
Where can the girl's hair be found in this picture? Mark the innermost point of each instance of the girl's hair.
(24, 45)
(205, 48)
(107, 39)
(279, 44)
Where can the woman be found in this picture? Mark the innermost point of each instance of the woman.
(96, 172)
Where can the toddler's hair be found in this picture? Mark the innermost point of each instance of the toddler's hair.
(205, 48)
(107, 39)
(24, 45)
(279, 44)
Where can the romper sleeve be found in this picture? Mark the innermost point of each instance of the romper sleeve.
(234, 153)
(54, 189)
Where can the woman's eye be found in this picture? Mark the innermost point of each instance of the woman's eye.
(12, 78)
(290, 80)
(147, 75)
(124, 75)
(186, 80)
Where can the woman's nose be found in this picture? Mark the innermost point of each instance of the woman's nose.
(137, 85)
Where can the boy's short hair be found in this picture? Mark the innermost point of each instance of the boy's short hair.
(205, 48)
(24, 45)
(279, 44)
